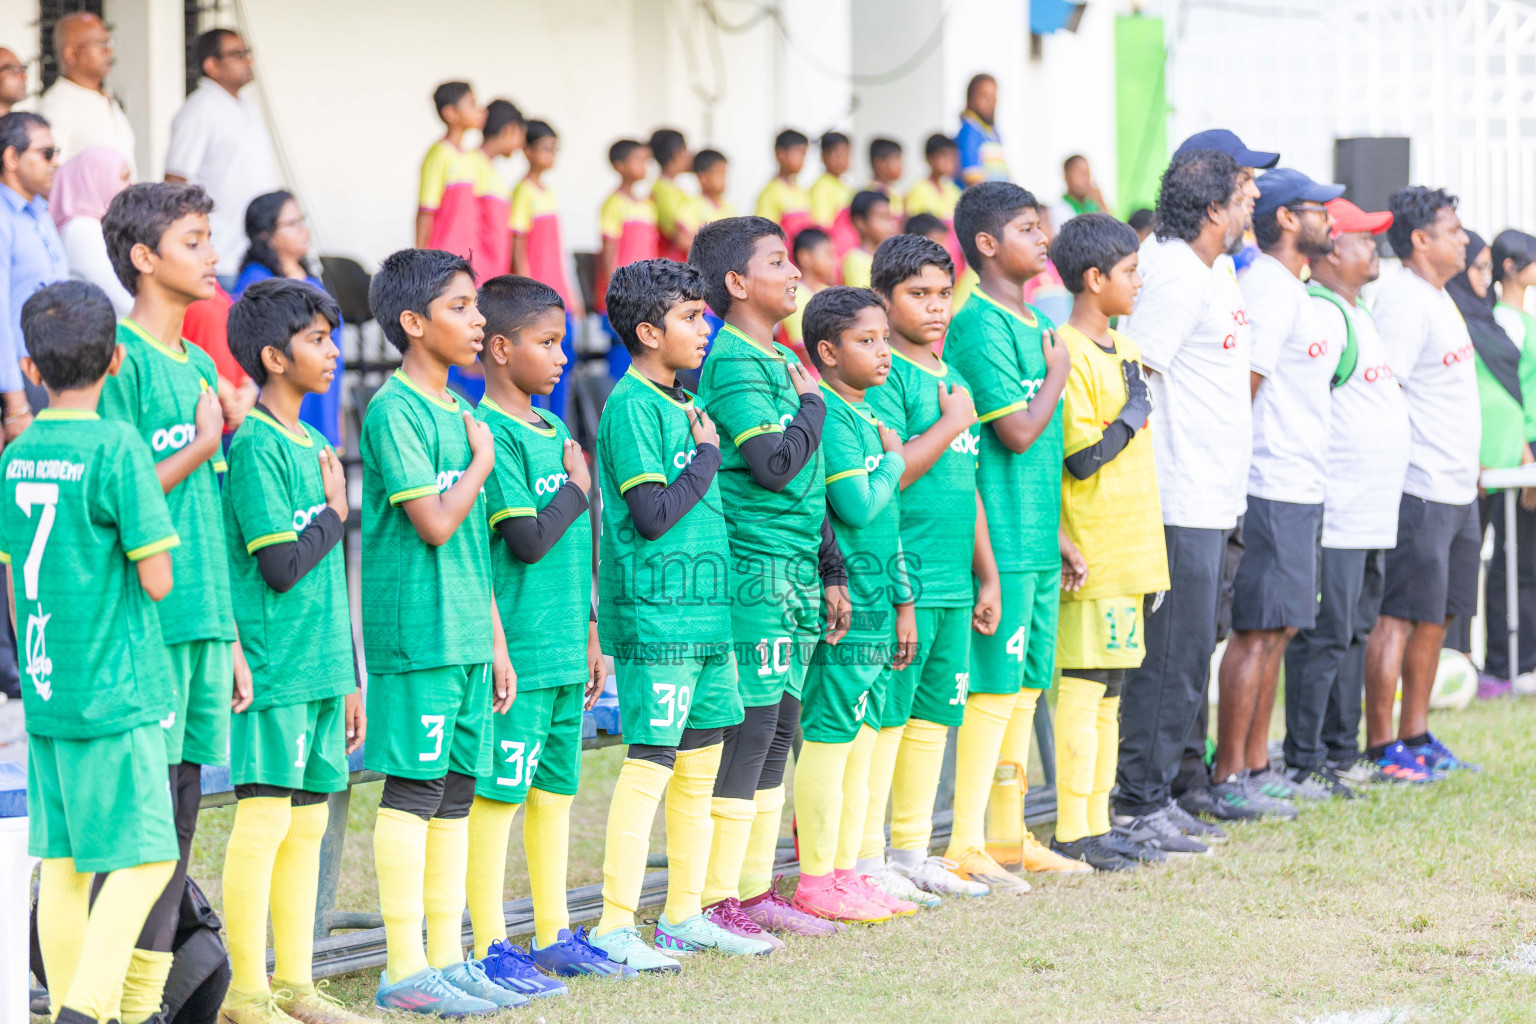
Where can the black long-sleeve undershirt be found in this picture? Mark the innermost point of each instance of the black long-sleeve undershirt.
(282, 565)
(533, 537)
(829, 560)
(777, 458)
(656, 509)
(1090, 460)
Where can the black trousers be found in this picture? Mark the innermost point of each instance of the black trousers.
(1497, 661)
(1162, 697)
(1325, 665)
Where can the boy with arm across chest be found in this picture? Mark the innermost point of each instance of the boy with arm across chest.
(85, 531)
(437, 658)
(771, 480)
(158, 239)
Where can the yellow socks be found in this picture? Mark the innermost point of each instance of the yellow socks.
(976, 747)
(261, 825)
(850, 830)
(1104, 764)
(443, 891)
(690, 828)
(763, 843)
(546, 845)
(919, 762)
(1010, 781)
(144, 986)
(106, 946)
(882, 769)
(1077, 753)
(631, 813)
(400, 859)
(490, 823)
(731, 829)
(63, 908)
(295, 883)
(819, 803)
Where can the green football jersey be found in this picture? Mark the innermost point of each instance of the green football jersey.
(669, 597)
(546, 606)
(82, 503)
(938, 509)
(747, 392)
(156, 391)
(424, 606)
(871, 553)
(1000, 354)
(298, 643)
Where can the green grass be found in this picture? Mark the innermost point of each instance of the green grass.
(1409, 899)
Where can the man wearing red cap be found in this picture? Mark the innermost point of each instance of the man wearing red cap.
(1431, 574)
(1367, 456)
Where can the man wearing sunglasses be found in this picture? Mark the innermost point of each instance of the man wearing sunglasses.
(79, 106)
(13, 81)
(1275, 591)
(219, 140)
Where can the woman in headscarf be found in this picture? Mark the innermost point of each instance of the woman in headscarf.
(83, 187)
(1502, 403)
(1512, 264)
(279, 247)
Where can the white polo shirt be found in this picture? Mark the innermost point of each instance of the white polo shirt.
(220, 142)
(1368, 438)
(83, 118)
(1431, 352)
(1290, 410)
(1192, 330)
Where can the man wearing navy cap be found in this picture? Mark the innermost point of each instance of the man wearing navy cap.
(1275, 591)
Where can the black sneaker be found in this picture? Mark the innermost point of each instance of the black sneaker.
(1325, 778)
(1158, 831)
(1092, 851)
(1119, 840)
(1203, 831)
(1224, 801)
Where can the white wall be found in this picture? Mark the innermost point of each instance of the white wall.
(18, 33)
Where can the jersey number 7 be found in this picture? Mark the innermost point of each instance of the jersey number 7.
(39, 666)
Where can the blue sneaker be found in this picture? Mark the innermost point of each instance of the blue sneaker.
(572, 955)
(1440, 759)
(1399, 764)
(512, 968)
(471, 977)
(428, 992)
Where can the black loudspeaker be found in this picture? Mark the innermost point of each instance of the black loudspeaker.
(1371, 170)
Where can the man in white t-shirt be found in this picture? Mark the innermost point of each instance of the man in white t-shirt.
(1193, 333)
(79, 106)
(1274, 593)
(1431, 575)
(1367, 457)
(219, 140)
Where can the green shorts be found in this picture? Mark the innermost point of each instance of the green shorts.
(425, 723)
(773, 628)
(106, 802)
(933, 688)
(537, 743)
(1103, 632)
(660, 697)
(1022, 653)
(197, 730)
(296, 746)
(845, 687)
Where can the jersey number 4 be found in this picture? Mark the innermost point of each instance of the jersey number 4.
(1015, 644)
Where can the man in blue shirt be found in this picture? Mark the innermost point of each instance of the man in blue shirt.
(31, 252)
(981, 149)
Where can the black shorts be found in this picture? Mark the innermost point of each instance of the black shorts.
(1432, 573)
(1276, 584)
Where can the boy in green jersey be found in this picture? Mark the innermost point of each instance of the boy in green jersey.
(926, 402)
(437, 657)
(284, 505)
(541, 570)
(771, 472)
(158, 239)
(664, 600)
(1009, 355)
(85, 536)
(846, 334)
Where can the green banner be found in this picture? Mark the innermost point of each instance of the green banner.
(1141, 111)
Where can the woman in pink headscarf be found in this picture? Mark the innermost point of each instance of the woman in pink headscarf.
(82, 188)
